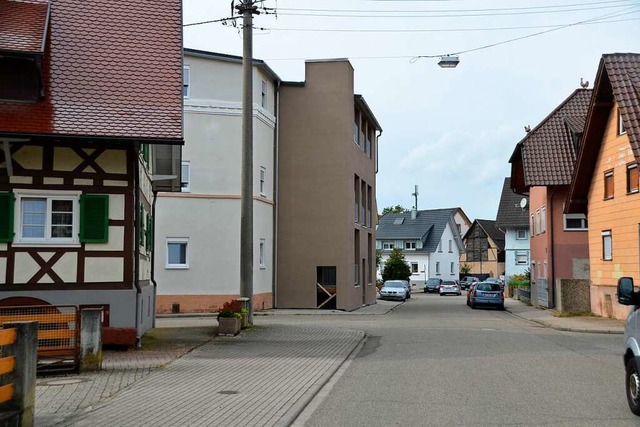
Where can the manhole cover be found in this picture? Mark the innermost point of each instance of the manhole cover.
(64, 381)
(228, 392)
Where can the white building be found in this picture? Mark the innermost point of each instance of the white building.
(198, 230)
(430, 242)
(513, 219)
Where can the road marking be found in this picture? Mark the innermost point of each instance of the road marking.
(489, 329)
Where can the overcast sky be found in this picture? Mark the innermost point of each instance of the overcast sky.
(450, 131)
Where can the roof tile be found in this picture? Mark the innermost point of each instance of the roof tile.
(510, 214)
(23, 25)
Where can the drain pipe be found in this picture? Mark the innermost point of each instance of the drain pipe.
(153, 254)
(136, 240)
(553, 253)
(276, 195)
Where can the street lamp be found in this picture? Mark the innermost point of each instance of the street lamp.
(449, 61)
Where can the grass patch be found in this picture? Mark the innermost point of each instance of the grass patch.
(574, 314)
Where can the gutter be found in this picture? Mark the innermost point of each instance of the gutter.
(552, 255)
(276, 195)
(136, 240)
(153, 252)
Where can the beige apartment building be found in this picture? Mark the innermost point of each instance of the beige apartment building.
(326, 186)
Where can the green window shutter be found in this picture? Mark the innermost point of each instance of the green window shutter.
(145, 153)
(6, 217)
(149, 233)
(94, 218)
(141, 229)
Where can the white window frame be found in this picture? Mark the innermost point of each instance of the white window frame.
(414, 268)
(187, 164)
(186, 81)
(388, 246)
(410, 246)
(621, 128)
(450, 246)
(538, 224)
(178, 240)
(440, 246)
(582, 217)
(74, 240)
(607, 255)
(453, 267)
(263, 94)
(438, 268)
(263, 264)
(543, 219)
(263, 178)
(518, 257)
(524, 234)
(532, 225)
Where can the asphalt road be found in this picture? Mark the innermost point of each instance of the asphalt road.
(434, 361)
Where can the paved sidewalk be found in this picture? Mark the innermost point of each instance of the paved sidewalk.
(263, 377)
(600, 325)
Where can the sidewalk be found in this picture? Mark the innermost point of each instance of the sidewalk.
(596, 325)
(265, 376)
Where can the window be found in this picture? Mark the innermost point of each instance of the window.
(538, 224)
(532, 227)
(44, 217)
(263, 264)
(543, 219)
(263, 174)
(185, 177)
(607, 246)
(414, 267)
(521, 234)
(450, 246)
(533, 271)
(522, 258)
(621, 128)
(438, 267)
(177, 253)
(410, 245)
(440, 246)
(632, 178)
(575, 222)
(263, 95)
(186, 78)
(356, 130)
(459, 229)
(608, 185)
(387, 245)
(452, 271)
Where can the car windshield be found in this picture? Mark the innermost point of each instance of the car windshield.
(394, 285)
(488, 287)
(433, 281)
(449, 283)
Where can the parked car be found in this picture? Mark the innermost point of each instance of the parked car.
(432, 285)
(487, 294)
(469, 292)
(628, 296)
(467, 281)
(450, 287)
(395, 289)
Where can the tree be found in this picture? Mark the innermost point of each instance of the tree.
(465, 268)
(393, 209)
(396, 268)
(378, 256)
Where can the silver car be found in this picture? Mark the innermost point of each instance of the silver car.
(395, 289)
(450, 287)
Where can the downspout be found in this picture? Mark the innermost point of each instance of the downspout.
(553, 253)
(276, 195)
(153, 252)
(136, 240)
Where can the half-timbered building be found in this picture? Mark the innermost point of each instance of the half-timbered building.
(90, 126)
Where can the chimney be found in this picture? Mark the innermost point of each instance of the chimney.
(414, 213)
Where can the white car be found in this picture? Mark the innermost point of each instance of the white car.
(450, 287)
(628, 296)
(395, 289)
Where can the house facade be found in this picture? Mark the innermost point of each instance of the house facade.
(606, 181)
(198, 244)
(513, 220)
(326, 186)
(81, 147)
(428, 239)
(484, 249)
(542, 166)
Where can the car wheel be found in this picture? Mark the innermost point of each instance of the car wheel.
(632, 382)
(472, 305)
(501, 307)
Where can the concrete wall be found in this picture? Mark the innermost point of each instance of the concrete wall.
(620, 215)
(318, 161)
(208, 215)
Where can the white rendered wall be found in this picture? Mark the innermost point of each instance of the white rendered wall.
(511, 246)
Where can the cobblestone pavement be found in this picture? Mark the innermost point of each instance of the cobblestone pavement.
(262, 377)
(59, 397)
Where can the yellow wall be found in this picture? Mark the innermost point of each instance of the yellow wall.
(620, 215)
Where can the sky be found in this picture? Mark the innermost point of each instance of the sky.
(449, 131)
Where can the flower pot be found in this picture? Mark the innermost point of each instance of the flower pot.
(228, 326)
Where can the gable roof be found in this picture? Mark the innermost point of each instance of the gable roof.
(510, 214)
(546, 155)
(618, 79)
(110, 70)
(24, 26)
(428, 227)
(490, 229)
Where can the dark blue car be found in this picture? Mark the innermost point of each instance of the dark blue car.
(487, 294)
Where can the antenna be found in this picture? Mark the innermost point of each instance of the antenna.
(416, 196)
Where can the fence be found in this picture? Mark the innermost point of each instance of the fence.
(58, 342)
(18, 343)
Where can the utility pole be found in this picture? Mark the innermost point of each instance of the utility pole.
(247, 9)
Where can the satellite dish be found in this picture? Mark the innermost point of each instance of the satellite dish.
(523, 203)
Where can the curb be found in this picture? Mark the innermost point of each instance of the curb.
(567, 329)
(303, 401)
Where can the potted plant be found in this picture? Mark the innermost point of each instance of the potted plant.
(229, 318)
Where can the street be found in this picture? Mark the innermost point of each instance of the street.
(435, 361)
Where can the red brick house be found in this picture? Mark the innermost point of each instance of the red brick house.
(90, 114)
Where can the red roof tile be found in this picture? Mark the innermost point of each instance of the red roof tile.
(110, 70)
(623, 70)
(23, 26)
